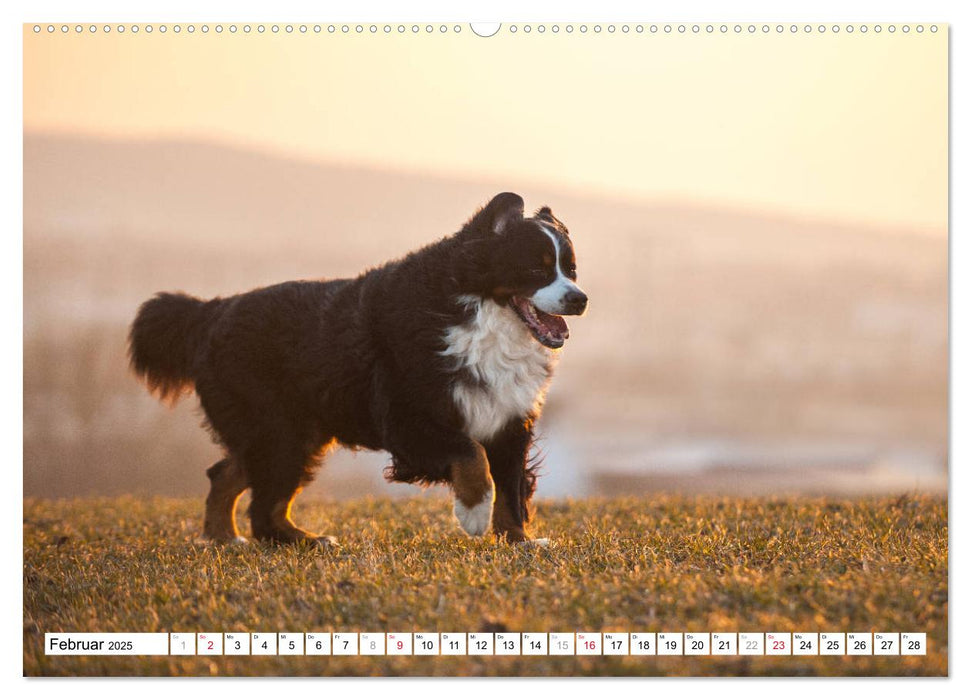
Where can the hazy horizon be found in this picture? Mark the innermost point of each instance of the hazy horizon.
(538, 184)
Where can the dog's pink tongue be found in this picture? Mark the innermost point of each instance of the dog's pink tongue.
(555, 326)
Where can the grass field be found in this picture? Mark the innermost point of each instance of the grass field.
(658, 564)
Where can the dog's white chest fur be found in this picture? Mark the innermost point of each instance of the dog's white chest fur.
(509, 370)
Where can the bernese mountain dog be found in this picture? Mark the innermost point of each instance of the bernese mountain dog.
(441, 358)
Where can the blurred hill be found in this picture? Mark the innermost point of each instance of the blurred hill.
(724, 350)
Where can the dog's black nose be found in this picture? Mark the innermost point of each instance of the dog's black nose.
(576, 301)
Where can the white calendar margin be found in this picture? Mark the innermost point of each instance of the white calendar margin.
(11, 645)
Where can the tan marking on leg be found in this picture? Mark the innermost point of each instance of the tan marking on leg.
(280, 517)
(470, 477)
(474, 492)
(224, 491)
(286, 531)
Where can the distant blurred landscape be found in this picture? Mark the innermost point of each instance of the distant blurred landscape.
(725, 350)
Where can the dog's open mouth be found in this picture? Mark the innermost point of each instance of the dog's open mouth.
(548, 329)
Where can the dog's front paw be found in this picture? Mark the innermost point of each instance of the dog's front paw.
(475, 519)
(541, 542)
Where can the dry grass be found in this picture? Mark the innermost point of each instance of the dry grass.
(661, 564)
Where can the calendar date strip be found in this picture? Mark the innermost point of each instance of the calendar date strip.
(486, 644)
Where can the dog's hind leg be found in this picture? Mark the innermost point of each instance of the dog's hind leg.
(474, 490)
(276, 480)
(226, 484)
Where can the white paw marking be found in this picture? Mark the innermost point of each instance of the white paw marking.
(475, 520)
(538, 542)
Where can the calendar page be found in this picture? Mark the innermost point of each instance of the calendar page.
(530, 348)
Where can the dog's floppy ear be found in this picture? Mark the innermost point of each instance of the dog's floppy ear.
(504, 210)
(546, 214)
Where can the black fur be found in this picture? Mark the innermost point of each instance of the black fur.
(166, 333)
(284, 371)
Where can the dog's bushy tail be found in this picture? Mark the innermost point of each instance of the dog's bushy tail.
(164, 341)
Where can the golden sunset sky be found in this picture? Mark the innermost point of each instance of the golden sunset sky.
(849, 127)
